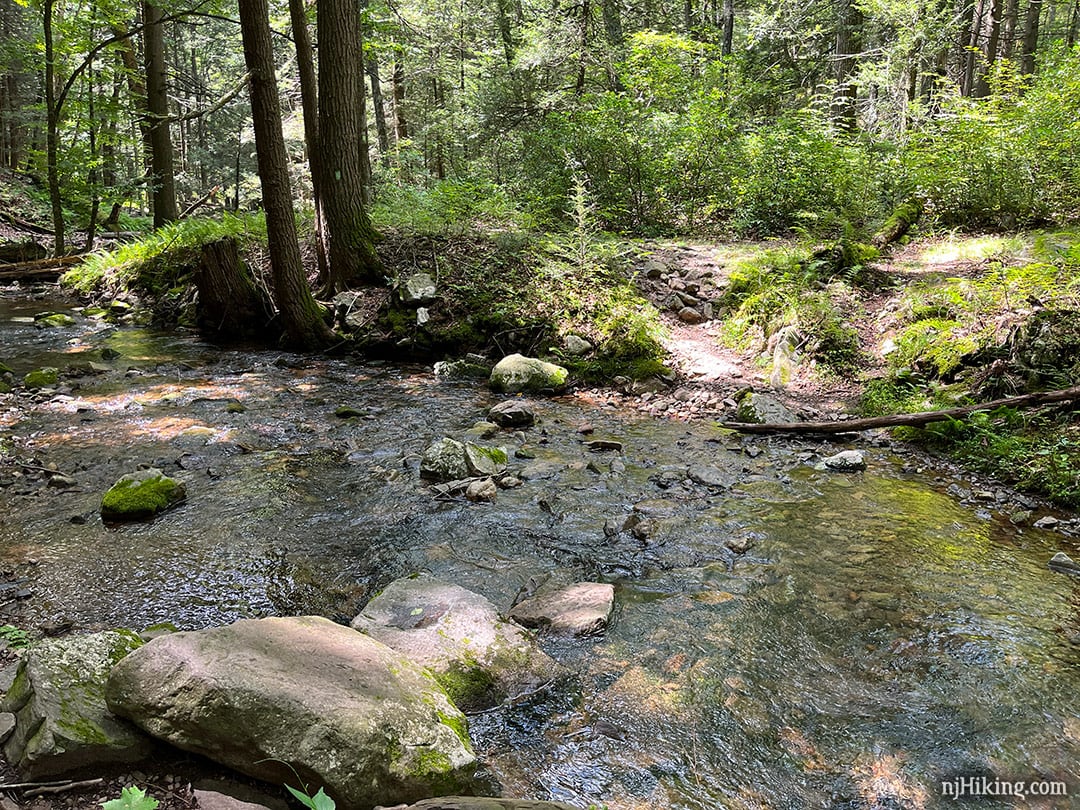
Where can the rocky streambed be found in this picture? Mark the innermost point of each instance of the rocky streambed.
(782, 635)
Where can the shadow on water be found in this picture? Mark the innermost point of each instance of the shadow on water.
(868, 637)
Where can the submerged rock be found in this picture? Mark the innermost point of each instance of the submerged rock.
(302, 698)
(58, 699)
(515, 373)
(581, 609)
(472, 366)
(54, 319)
(844, 461)
(478, 658)
(141, 495)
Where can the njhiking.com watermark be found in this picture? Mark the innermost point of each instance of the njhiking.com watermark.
(960, 787)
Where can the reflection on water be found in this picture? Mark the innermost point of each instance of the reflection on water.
(867, 637)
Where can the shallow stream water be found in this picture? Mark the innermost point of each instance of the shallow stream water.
(878, 637)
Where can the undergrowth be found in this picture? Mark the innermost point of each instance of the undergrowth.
(949, 333)
(159, 261)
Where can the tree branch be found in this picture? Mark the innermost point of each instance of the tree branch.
(906, 419)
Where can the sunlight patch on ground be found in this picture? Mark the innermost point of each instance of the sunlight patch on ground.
(699, 357)
(956, 248)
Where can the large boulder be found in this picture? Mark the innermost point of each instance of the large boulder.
(302, 698)
(480, 659)
(58, 698)
(141, 495)
(515, 373)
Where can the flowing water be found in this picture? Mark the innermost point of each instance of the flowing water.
(878, 637)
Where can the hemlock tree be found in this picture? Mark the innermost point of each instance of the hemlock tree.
(341, 139)
(301, 316)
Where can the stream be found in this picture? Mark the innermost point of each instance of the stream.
(877, 637)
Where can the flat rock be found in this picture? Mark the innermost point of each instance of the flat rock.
(709, 476)
(483, 460)
(301, 698)
(581, 609)
(513, 413)
(516, 373)
(480, 659)
(62, 723)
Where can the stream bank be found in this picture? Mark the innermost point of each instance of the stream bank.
(782, 635)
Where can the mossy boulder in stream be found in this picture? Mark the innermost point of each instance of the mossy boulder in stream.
(516, 373)
(45, 377)
(141, 495)
(300, 698)
(58, 699)
(477, 657)
(54, 319)
(444, 460)
(483, 460)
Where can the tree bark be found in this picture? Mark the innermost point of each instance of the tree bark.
(301, 316)
(1031, 37)
(848, 46)
(52, 134)
(727, 21)
(231, 307)
(309, 102)
(341, 132)
(157, 108)
(401, 123)
(907, 419)
(993, 38)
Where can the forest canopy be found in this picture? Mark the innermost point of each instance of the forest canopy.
(707, 115)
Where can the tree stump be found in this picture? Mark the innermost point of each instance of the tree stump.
(231, 307)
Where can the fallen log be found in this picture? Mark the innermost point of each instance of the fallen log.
(39, 269)
(906, 419)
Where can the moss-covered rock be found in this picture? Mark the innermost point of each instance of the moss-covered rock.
(58, 699)
(300, 698)
(54, 319)
(45, 377)
(141, 495)
(482, 460)
(444, 460)
(516, 373)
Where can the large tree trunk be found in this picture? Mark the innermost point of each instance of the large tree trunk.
(301, 316)
(401, 123)
(341, 132)
(848, 46)
(993, 38)
(157, 108)
(309, 101)
(52, 127)
(231, 307)
(727, 22)
(1031, 37)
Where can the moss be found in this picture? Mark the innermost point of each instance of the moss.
(54, 319)
(234, 407)
(5, 368)
(459, 725)
(427, 761)
(141, 496)
(468, 685)
(42, 378)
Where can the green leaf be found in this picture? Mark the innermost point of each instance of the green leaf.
(320, 801)
(131, 798)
